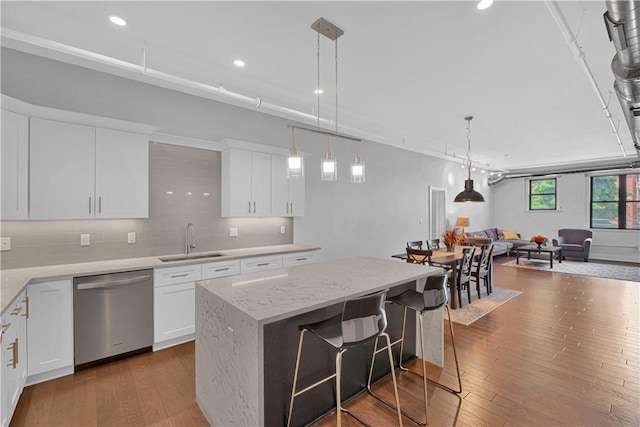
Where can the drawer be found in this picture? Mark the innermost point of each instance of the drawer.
(298, 258)
(212, 270)
(262, 263)
(173, 275)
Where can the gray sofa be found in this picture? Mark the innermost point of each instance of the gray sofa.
(500, 245)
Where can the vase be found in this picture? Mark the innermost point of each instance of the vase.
(450, 247)
(539, 245)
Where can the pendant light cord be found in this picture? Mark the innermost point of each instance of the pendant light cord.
(318, 81)
(468, 119)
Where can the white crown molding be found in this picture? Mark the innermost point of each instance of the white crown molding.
(31, 110)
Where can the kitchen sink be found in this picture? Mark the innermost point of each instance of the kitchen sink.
(189, 257)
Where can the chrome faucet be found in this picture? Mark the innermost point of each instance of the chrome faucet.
(190, 239)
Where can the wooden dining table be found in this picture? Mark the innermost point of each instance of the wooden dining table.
(447, 259)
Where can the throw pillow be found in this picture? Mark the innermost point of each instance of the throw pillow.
(509, 235)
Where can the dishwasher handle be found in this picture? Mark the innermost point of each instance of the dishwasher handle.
(108, 284)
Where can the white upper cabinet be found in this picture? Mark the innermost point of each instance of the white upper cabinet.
(79, 171)
(122, 174)
(287, 195)
(14, 156)
(246, 183)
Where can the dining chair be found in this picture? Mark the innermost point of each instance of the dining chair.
(419, 256)
(463, 278)
(433, 297)
(362, 321)
(416, 244)
(433, 244)
(481, 270)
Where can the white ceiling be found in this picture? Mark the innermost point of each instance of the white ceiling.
(409, 71)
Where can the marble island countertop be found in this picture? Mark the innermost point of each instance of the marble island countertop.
(13, 281)
(273, 295)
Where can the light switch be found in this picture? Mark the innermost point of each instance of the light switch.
(5, 243)
(233, 232)
(85, 239)
(283, 229)
(131, 237)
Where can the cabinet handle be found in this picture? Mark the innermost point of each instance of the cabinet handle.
(89, 204)
(221, 269)
(287, 207)
(14, 353)
(179, 275)
(16, 311)
(249, 206)
(262, 264)
(291, 207)
(26, 303)
(5, 327)
(254, 207)
(301, 259)
(100, 204)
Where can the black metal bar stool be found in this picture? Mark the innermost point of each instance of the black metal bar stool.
(432, 298)
(362, 320)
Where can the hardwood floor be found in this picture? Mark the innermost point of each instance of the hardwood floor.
(566, 352)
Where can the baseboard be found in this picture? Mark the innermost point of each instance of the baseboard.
(49, 375)
(172, 342)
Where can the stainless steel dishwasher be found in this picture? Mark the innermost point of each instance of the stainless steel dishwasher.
(112, 317)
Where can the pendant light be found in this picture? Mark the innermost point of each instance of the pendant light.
(468, 194)
(295, 164)
(357, 168)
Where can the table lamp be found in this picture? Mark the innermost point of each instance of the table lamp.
(462, 222)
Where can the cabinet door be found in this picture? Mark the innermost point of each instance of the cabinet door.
(279, 187)
(14, 159)
(174, 311)
(269, 262)
(61, 171)
(261, 184)
(122, 174)
(236, 183)
(212, 270)
(298, 258)
(296, 196)
(50, 326)
(10, 378)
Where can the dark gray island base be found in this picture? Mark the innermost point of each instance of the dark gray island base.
(247, 337)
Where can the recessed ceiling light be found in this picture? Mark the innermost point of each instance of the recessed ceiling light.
(484, 4)
(117, 20)
(318, 91)
(239, 63)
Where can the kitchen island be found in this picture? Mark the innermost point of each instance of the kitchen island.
(247, 335)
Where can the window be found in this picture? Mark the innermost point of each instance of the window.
(543, 194)
(615, 201)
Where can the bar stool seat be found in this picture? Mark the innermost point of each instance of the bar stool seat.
(433, 297)
(362, 321)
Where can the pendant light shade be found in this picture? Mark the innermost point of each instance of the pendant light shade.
(468, 194)
(295, 164)
(357, 168)
(329, 167)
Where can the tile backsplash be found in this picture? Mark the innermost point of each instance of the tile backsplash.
(184, 186)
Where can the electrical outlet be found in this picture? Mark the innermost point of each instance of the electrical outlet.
(85, 239)
(131, 237)
(283, 229)
(5, 243)
(233, 232)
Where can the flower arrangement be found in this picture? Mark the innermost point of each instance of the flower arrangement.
(450, 237)
(539, 240)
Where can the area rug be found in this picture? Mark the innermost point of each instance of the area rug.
(595, 269)
(469, 313)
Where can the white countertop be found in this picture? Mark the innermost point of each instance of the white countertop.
(273, 295)
(13, 281)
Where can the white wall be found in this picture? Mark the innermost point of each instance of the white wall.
(510, 213)
(375, 218)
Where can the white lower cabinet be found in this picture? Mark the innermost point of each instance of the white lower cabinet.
(213, 270)
(50, 330)
(298, 258)
(13, 357)
(270, 262)
(174, 304)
